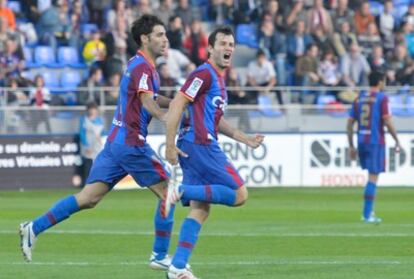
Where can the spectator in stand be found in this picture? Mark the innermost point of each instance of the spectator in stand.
(328, 70)
(8, 14)
(319, 18)
(376, 60)
(363, 18)
(402, 66)
(296, 15)
(40, 97)
(78, 17)
(306, 70)
(386, 24)
(355, 68)
(11, 63)
(186, 13)
(118, 12)
(48, 25)
(90, 87)
(246, 11)
(221, 11)
(369, 39)
(5, 33)
(270, 40)
(409, 16)
(164, 11)
(177, 63)
(408, 34)
(166, 80)
(297, 42)
(237, 96)
(175, 32)
(274, 14)
(143, 7)
(196, 43)
(261, 73)
(323, 40)
(342, 14)
(111, 96)
(97, 11)
(94, 51)
(343, 40)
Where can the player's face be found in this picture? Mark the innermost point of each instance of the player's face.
(222, 51)
(157, 41)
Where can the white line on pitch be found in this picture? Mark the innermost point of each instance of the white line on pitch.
(275, 262)
(225, 234)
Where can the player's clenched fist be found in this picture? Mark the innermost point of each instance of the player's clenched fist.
(255, 141)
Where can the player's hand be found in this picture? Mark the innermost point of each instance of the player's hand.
(397, 147)
(352, 153)
(172, 153)
(255, 141)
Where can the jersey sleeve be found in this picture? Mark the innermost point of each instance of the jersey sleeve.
(353, 111)
(142, 79)
(196, 84)
(385, 108)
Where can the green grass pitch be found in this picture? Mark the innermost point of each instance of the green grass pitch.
(289, 233)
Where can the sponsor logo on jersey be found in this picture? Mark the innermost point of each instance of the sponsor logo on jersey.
(143, 82)
(194, 87)
(117, 122)
(219, 102)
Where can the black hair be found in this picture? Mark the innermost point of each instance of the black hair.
(144, 26)
(226, 30)
(260, 52)
(376, 77)
(310, 46)
(91, 105)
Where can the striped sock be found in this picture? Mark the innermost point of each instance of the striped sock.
(163, 228)
(369, 197)
(187, 240)
(214, 193)
(59, 212)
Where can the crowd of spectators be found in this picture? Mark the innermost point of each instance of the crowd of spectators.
(320, 43)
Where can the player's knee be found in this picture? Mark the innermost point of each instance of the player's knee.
(87, 200)
(199, 211)
(242, 196)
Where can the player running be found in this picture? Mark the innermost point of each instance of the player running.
(209, 177)
(371, 111)
(126, 150)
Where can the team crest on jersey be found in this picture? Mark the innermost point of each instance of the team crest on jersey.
(195, 85)
(143, 82)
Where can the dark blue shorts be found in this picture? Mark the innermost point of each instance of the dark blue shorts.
(115, 161)
(207, 164)
(372, 157)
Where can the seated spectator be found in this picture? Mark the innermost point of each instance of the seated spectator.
(295, 15)
(306, 69)
(319, 19)
(94, 50)
(355, 68)
(40, 97)
(247, 11)
(270, 40)
(119, 12)
(166, 80)
(408, 34)
(386, 24)
(376, 60)
(363, 18)
(177, 63)
(261, 73)
(48, 25)
(175, 32)
(196, 43)
(90, 87)
(344, 39)
(221, 11)
(143, 7)
(297, 42)
(8, 14)
(273, 13)
(409, 16)
(328, 70)
(186, 13)
(341, 14)
(97, 11)
(322, 40)
(369, 39)
(402, 66)
(11, 63)
(164, 11)
(111, 96)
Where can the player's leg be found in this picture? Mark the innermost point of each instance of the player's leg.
(369, 195)
(190, 229)
(147, 169)
(104, 174)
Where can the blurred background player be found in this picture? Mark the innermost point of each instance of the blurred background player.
(126, 150)
(371, 111)
(209, 177)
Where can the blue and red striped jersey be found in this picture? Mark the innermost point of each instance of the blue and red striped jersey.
(131, 119)
(206, 90)
(369, 110)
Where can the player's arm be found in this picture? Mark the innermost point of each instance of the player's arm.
(163, 102)
(226, 129)
(177, 107)
(350, 135)
(391, 128)
(147, 100)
